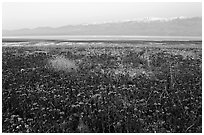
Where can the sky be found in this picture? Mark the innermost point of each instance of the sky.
(32, 15)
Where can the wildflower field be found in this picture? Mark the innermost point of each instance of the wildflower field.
(102, 87)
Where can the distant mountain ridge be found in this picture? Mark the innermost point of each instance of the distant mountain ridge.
(177, 26)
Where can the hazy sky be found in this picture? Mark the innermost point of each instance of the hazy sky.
(31, 15)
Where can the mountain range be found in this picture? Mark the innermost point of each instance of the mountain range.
(177, 26)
